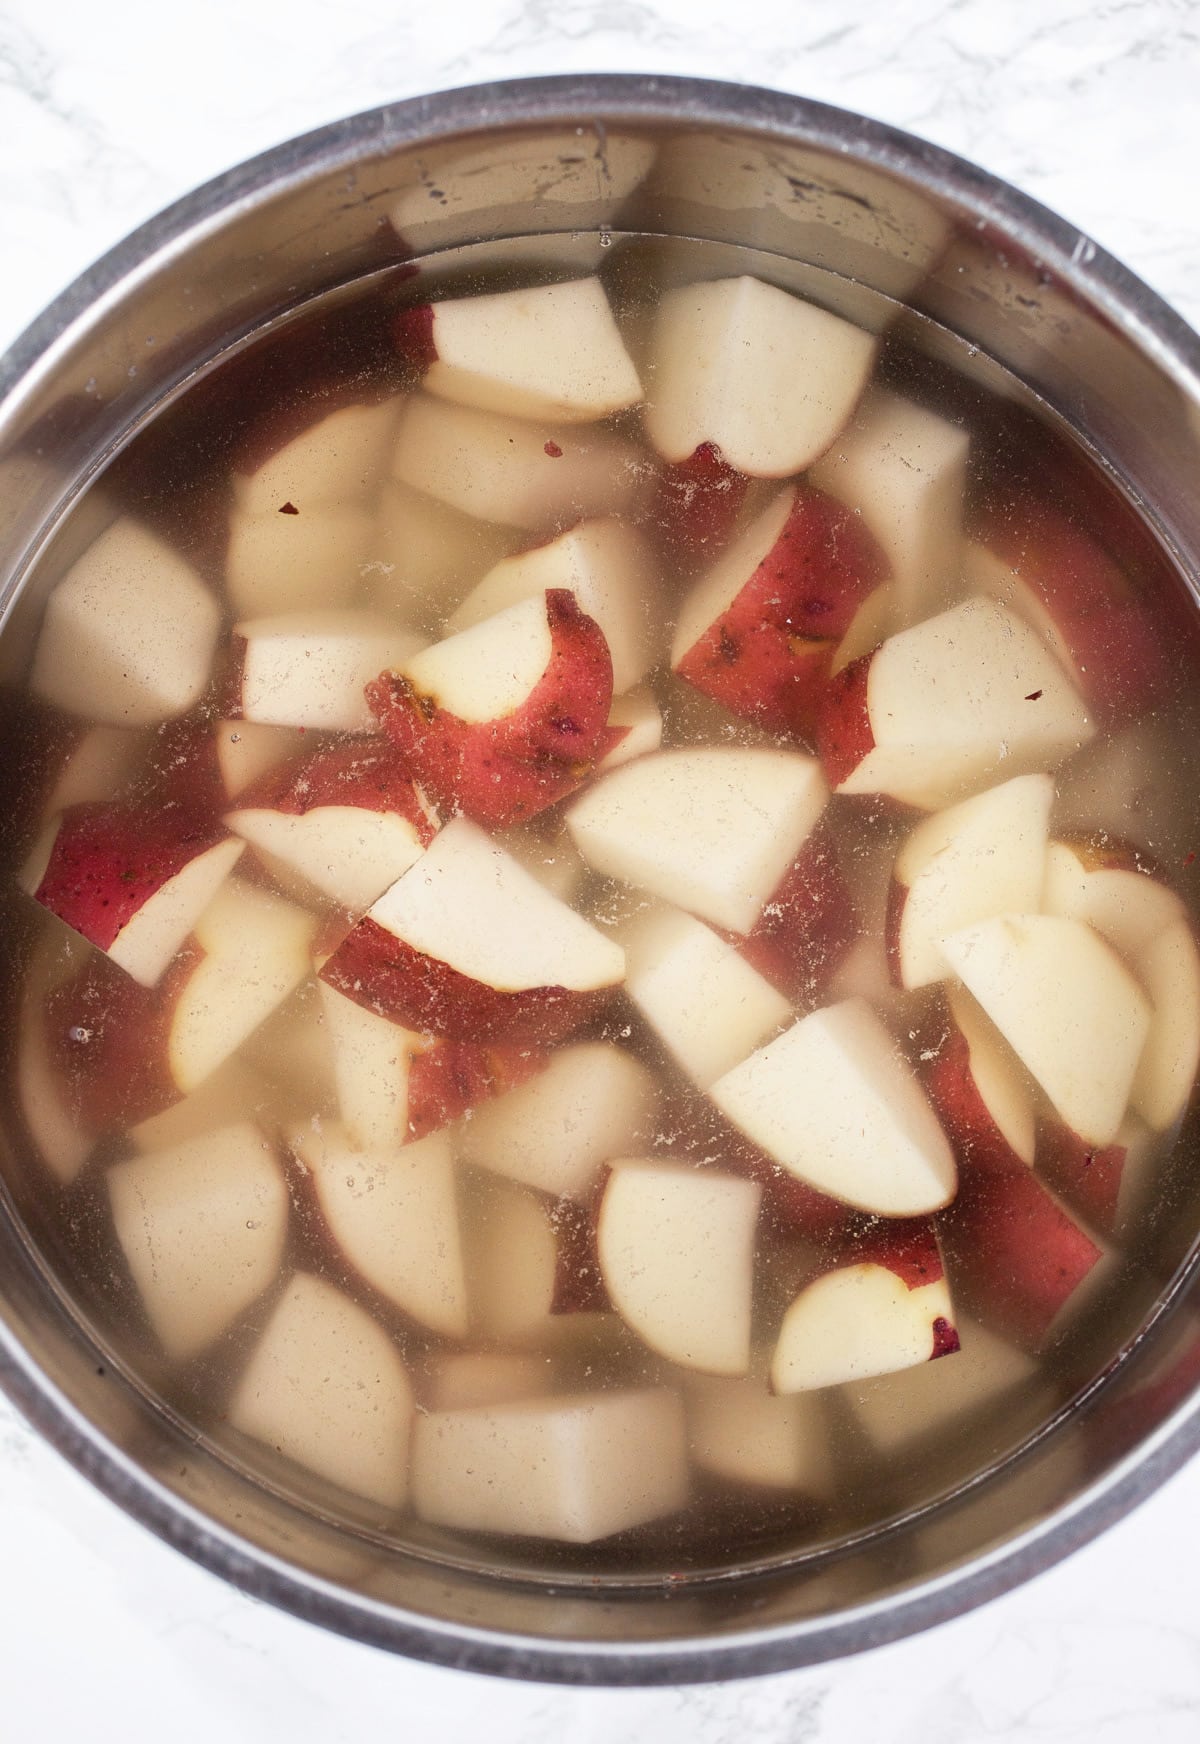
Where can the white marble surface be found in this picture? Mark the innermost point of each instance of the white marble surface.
(107, 113)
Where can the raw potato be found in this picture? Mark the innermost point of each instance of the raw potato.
(982, 857)
(202, 1229)
(530, 475)
(676, 1246)
(326, 1387)
(338, 462)
(372, 1058)
(856, 1321)
(592, 1102)
(610, 570)
(929, 1399)
(257, 950)
(308, 668)
(833, 1102)
(942, 710)
(1067, 1006)
(712, 829)
(549, 352)
(768, 379)
(464, 1379)
(394, 1215)
(488, 952)
(1169, 969)
(129, 633)
(285, 563)
(578, 1468)
(705, 1003)
(511, 1259)
(740, 1431)
(903, 469)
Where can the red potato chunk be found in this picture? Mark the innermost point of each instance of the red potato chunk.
(505, 718)
(759, 631)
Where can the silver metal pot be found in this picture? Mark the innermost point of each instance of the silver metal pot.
(526, 165)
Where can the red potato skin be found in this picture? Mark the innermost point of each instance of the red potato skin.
(367, 775)
(377, 970)
(695, 505)
(505, 771)
(107, 1037)
(1122, 667)
(975, 1139)
(413, 337)
(108, 860)
(1087, 1177)
(448, 1079)
(844, 734)
(807, 924)
(767, 657)
(1016, 1257)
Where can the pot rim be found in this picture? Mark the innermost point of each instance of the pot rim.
(959, 186)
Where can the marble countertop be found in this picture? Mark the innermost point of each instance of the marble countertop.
(106, 114)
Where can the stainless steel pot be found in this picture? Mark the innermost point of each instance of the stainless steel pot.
(520, 165)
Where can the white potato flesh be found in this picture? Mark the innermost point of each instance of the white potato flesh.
(1067, 1006)
(903, 469)
(346, 854)
(471, 905)
(854, 1322)
(487, 671)
(129, 633)
(592, 1102)
(326, 1387)
(712, 830)
(423, 553)
(609, 568)
(1003, 1086)
(550, 351)
(909, 1404)
(394, 1215)
(960, 700)
(247, 749)
(834, 1103)
(202, 1228)
(288, 562)
(154, 934)
(716, 590)
(308, 669)
(372, 1058)
(984, 856)
(640, 720)
(234, 1092)
(257, 950)
(676, 1246)
(520, 474)
(511, 1249)
(740, 1431)
(578, 1467)
(768, 378)
(1126, 906)
(463, 1379)
(705, 1003)
(1169, 970)
(96, 768)
(339, 460)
